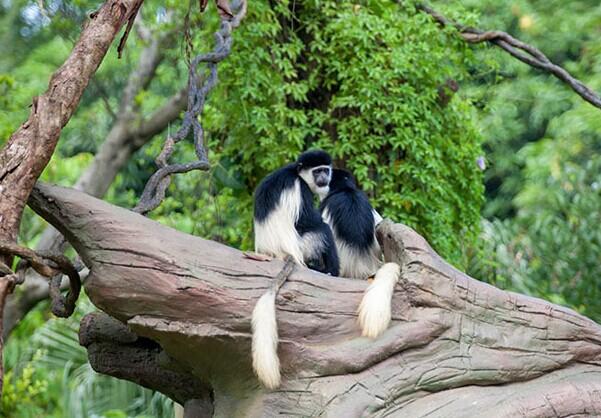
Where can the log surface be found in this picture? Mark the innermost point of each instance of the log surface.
(456, 347)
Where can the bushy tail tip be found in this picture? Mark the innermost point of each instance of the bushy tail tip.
(375, 308)
(266, 363)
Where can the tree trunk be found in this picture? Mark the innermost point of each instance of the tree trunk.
(456, 347)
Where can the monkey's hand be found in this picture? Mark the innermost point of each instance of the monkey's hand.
(256, 256)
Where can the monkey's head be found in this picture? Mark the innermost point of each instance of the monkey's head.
(342, 179)
(315, 168)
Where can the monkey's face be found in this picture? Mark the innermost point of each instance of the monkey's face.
(322, 175)
(318, 179)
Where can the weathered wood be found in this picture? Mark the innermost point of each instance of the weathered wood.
(113, 349)
(456, 347)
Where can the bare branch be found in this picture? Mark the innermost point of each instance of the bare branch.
(63, 307)
(5, 270)
(131, 18)
(7, 285)
(224, 9)
(518, 49)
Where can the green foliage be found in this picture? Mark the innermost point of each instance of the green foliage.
(523, 105)
(7, 86)
(542, 143)
(24, 395)
(552, 248)
(360, 80)
(199, 208)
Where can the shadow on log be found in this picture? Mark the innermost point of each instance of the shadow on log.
(456, 347)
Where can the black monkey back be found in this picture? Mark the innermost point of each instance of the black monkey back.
(350, 212)
(268, 192)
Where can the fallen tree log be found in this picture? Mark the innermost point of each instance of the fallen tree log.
(456, 347)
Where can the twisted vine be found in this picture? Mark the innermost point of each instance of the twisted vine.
(198, 90)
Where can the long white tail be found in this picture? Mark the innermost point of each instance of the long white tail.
(375, 309)
(265, 341)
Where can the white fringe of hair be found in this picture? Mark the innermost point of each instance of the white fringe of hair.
(375, 308)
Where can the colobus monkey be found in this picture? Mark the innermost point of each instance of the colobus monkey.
(353, 221)
(285, 220)
(287, 224)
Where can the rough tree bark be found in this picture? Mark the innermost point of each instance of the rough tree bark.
(129, 132)
(456, 348)
(29, 149)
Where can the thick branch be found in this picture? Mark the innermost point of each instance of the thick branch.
(518, 49)
(29, 149)
(452, 337)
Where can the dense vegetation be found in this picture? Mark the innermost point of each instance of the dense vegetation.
(543, 143)
(371, 82)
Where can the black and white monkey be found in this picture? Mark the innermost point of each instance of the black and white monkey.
(353, 221)
(287, 224)
(285, 220)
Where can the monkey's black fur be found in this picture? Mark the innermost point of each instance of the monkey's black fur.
(350, 212)
(313, 158)
(267, 194)
(267, 198)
